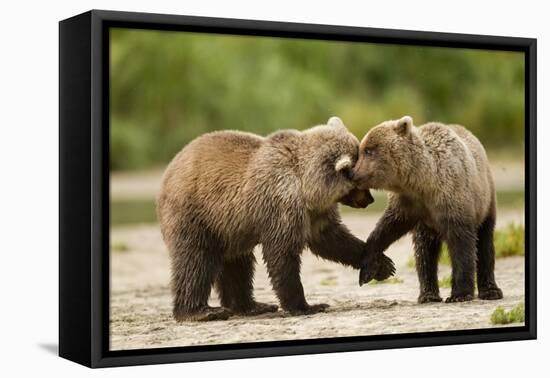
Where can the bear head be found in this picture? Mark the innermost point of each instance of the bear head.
(330, 151)
(387, 156)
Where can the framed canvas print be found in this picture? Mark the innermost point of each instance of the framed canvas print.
(234, 188)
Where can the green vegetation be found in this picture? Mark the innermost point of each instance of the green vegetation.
(515, 315)
(133, 212)
(391, 280)
(445, 282)
(329, 281)
(166, 88)
(169, 87)
(379, 204)
(119, 247)
(508, 199)
(444, 257)
(510, 241)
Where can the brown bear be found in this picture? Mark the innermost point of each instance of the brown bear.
(228, 191)
(441, 188)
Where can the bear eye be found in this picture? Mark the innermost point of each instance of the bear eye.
(368, 151)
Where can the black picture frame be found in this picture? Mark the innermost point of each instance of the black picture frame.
(84, 188)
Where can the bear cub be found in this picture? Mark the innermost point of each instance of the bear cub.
(441, 188)
(228, 191)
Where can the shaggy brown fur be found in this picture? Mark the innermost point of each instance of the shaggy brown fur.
(441, 189)
(228, 191)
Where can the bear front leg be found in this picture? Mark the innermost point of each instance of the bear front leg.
(427, 247)
(392, 226)
(332, 241)
(461, 239)
(282, 258)
(235, 287)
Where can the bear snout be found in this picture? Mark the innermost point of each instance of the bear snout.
(368, 198)
(361, 181)
(363, 185)
(358, 174)
(358, 199)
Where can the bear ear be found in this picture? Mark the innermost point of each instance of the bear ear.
(335, 122)
(404, 125)
(343, 162)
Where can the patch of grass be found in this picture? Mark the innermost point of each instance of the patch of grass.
(445, 282)
(506, 199)
(444, 257)
(510, 241)
(392, 280)
(511, 198)
(379, 205)
(119, 247)
(515, 315)
(133, 212)
(329, 281)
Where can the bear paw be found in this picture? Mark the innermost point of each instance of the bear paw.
(379, 268)
(429, 297)
(258, 308)
(491, 293)
(310, 309)
(459, 298)
(205, 314)
(386, 268)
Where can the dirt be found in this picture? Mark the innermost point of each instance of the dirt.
(141, 301)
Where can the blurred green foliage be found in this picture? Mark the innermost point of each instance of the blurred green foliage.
(445, 282)
(136, 211)
(515, 315)
(510, 241)
(119, 247)
(391, 280)
(169, 87)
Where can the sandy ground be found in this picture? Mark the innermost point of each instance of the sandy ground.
(141, 302)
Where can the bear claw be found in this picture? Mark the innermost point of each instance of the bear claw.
(206, 314)
(380, 268)
(258, 308)
(459, 298)
(492, 293)
(311, 309)
(429, 297)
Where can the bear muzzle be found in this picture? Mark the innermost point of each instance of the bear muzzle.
(361, 182)
(357, 198)
(359, 176)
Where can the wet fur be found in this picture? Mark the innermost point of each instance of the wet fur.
(228, 191)
(441, 189)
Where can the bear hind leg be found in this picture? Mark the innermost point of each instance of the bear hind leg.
(194, 270)
(235, 286)
(461, 239)
(487, 287)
